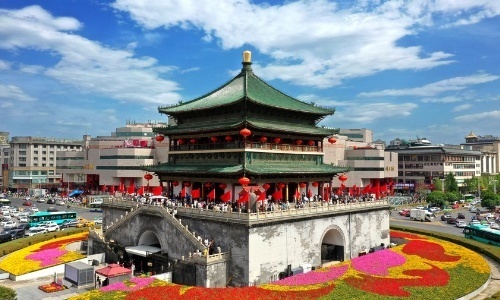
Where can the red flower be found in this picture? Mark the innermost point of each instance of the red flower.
(393, 286)
(405, 235)
(428, 250)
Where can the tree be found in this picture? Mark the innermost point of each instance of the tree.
(489, 199)
(437, 198)
(450, 183)
(438, 185)
(452, 196)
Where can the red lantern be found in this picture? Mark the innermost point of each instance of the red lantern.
(223, 186)
(245, 132)
(263, 139)
(192, 141)
(302, 185)
(175, 183)
(315, 184)
(180, 141)
(298, 142)
(342, 177)
(208, 185)
(214, 139)
(160, 138)
(187, 183)
(281, 185)
(266, 186)
(148, 177)
(244, 181)
(277, 140)
(228, 138)
(310, 143)
(332, 140)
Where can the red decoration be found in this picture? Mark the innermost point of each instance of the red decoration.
(266, 186)
(310, 143)
(223, 186)
(187, 183)
(315, 184)
(208, 185)
(244, 181)
(180, 141)
(281, 185)
(277, 140)
(342, 177)
(263, 139)
(192, 141)
(214, 139)
(148, 177)
(302, 185)
(175, 183)
(332, 140)
(228, 138)
(298, 142)
(245, 132)
(160, 138)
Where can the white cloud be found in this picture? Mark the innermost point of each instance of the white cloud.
(14, 93)
(484, 116)
(369, 113)
(4, 65)
(315, 43)
(435, 88)
(31, 69)
(85, 64)
(462, 107)
(448, 99)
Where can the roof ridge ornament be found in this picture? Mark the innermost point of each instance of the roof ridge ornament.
(247, 56)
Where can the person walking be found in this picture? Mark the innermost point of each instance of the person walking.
(98, 282)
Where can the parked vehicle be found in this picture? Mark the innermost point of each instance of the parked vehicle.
(10, 234)
(27, 203)
(461, 224)
(60, 202)
(421, 215)
(445, 217)
(34, 231)
(9, 224)
(461, 216)
(51, 227)
(475, 222)
(451, 220)
(98, 220)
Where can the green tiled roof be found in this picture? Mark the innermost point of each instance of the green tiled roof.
(246, 86)
(261, 169)
(263, 124)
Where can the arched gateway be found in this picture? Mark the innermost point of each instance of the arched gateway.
(332, 245)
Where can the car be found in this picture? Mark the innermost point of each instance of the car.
(445, 217)
(27, 203)
(52, 209)
(85, 224)
(495, 226)
(11, 234)
(474, 222)
(34, 231)
(41, 200)
(73, 223)
(23, 219)
(461, 216)
(451, 220)
(60, 202)
(35, 209)
(403, 212)
(461, 224)
(98, 220)
(52, 227)
(51, 201)
(420, 207)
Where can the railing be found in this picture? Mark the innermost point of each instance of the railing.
(224, 256)
(247, 145)
(311, 209)
(163, 211)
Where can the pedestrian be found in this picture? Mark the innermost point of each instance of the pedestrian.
(98, 282)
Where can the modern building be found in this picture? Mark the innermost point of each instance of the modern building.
(32, 163)
(4, 160)
(112, 164)
(490, 148)
(357, 135)
(425, 163)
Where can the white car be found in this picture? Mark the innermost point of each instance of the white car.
(14, 214)
(495, 226)
(461, 224)
(420, 207)
(98, 220)
(51, 227)
(35, 230)
(41, 200)
(35, 209)
(23, 219)
(9, 224)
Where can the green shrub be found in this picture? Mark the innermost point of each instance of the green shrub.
(7, 293)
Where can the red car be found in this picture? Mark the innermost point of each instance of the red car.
(27, 203)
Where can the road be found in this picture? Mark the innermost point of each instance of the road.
(81, 211)
(436, 225)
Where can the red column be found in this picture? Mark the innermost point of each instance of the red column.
(377, 188)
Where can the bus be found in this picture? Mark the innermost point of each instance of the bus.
(483, 233)
(58, 217)
(469, 197)
(5, 202)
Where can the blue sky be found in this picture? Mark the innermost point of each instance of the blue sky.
(399, 68)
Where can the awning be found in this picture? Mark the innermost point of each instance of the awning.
(113, 270)
(142, 250)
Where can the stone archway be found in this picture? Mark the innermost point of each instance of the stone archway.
(149, 238)
(333, 245)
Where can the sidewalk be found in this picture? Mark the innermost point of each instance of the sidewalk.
(494, 285)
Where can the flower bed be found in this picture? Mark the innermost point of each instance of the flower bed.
(52, 287)
(42, 255)
(423, 268)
